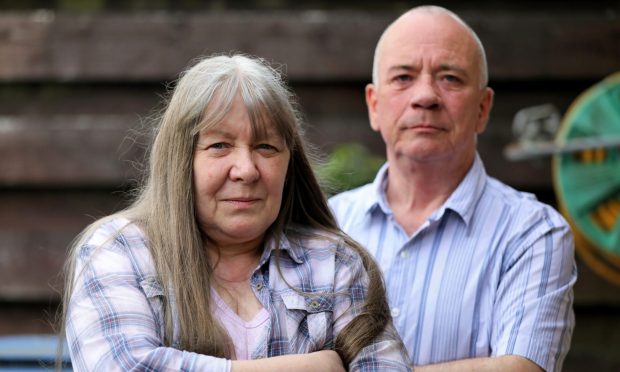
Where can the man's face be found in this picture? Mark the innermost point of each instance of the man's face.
(428, 104)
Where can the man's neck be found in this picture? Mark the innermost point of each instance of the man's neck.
(415, 190)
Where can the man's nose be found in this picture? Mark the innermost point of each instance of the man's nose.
(244, 168)
(424, 94)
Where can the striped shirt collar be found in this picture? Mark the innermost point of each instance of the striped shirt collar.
(462, 200)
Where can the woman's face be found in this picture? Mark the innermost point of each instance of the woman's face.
(238, 179)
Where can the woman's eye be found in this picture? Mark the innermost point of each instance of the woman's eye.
(217, 146)
(266, 147)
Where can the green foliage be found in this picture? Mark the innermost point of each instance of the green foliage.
(349, 165)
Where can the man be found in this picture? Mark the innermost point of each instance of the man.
(479, 276)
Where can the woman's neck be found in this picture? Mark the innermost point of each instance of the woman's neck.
(233, 266)
(234, 263)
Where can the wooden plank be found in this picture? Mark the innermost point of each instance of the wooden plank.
(99, 151)
(137, 100)
(27, 318)
(313, 45)
(36, 229)
(595, 340)
(158, 46)
(550, 45)
(64, 150)
(591, 290)
(77, 148)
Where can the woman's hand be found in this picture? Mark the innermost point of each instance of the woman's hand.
(324, 361)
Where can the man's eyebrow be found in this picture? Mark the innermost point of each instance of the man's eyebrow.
(401, 68)
(449, 67)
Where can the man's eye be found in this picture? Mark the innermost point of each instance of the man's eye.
(403, 78)
(452, 79)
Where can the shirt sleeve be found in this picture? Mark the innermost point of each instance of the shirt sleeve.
(533, 314)
(386, 352)
(111, 324)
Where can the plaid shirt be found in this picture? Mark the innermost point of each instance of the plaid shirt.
(115, 316)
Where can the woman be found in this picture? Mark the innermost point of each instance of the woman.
(229, 259)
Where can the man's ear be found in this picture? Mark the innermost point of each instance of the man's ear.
(486, 103)
(371, 104)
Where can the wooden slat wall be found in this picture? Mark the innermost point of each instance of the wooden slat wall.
(75, 91)
(314, 45)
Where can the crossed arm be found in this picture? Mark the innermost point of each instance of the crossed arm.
(506, 363)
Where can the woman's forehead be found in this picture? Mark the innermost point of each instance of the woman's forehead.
(259, 129)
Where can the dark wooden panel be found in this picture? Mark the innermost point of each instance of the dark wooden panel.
(43, 99)
(36, 229)
(591, 290)
(595, 340)
(27, 318)
(557, 45)
(77, 148)
(157, 47)
(68, 150)
(314, 45)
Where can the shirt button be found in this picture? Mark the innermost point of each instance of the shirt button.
(314, 304)
(404, 254)
(259, 286)
(395, 312)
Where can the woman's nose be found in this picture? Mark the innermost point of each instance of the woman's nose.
(244, 167)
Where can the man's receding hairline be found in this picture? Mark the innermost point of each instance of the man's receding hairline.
(432, 10)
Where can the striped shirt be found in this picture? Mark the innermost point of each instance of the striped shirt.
(489, 273)
(115, 315)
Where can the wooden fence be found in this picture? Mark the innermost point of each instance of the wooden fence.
(75, 88)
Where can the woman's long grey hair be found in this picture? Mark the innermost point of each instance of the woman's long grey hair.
(164, 206)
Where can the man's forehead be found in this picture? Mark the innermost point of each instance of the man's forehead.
(415, 56)
(445, 45)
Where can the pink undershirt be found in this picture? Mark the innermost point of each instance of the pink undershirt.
(244, 335)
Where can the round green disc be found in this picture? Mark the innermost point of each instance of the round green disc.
(588, 182)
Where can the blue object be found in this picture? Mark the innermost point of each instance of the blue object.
(31, 353)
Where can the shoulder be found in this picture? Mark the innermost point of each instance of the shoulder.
(523, 208)
(310, 244)
(523, 224)
(351, 196)
(315, 242)
(350, 205)
(115, 241)
(324, 252)
(114, 232)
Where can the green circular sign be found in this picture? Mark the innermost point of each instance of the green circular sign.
(587, 182)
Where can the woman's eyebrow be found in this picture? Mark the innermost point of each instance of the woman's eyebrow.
(215, 132)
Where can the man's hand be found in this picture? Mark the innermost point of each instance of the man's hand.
(507, 363)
